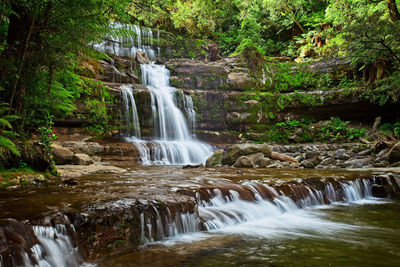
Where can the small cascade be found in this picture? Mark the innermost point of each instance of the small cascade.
(125, 40)
(160, 224)
(55, 248)
(130, 111)
(41, 246)
(219, 207)
(191, 113)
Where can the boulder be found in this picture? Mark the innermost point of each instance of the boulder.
(394, 153)
(61, 155)
(83, 147)
(255, 157)
(263, 162)
(141, 57)
(265, 149)
(358, 163)
(230, 156)
(215, 160)
(309, 163)
(236, 151)
(341, 154)
(82, 159)
(243, 162)
(328, 161)
(239, 81)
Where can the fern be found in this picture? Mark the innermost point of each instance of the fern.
(5, 122)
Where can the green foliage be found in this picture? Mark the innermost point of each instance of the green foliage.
(281, 131)
(47, 137)
(391, 128)
(385, 91)
(337, 130)
(6, 145)
(286, 77)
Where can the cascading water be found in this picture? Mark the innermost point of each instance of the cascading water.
(123, 43)
(130, 111)
(171, 142)
(221, 209)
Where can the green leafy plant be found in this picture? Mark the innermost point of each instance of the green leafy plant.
(337, 130)
(6, 132)
(47, 137)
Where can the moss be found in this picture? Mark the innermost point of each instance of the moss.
(11, 177)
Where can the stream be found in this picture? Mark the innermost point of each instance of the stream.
(233, 224)
(365, 234)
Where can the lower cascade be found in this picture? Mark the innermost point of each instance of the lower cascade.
(227, 208)
(172, 143)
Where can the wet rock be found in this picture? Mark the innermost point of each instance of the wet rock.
(379, 191)
(32, 178)
(236, 151)
(255, 157)
(309, 163)
(365, 152)
(83, 147)
(312, 154)
(243, 162)
(275, 165)
(263, 162)
(341, 154)
(394, 153)
(328, 161)
(61, 155)
(16, 240)
(357, 163)
(82, 159)
(141, 57)
(193, 166)
(382, 156)
(239, 81)
(265, 149)
(69, 181)
(79, 170)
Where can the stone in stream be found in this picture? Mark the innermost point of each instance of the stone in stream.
(141, 57)
(82, 159)
(61, 154)
(243, 162)
(263, 162)
(358, 163)
(236, 151)
(215, 159)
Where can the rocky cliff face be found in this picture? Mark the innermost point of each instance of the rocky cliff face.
(228, 99)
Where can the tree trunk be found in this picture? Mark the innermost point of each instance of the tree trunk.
(393, 10)
(14, 88)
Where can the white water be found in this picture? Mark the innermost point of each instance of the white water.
(171, 142)
(131, 118)
(54, 248)
(279, 217)
(126, 40)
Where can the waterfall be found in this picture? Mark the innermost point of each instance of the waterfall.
(172, 142)
(130, 111)
(125, 40)
(219, 209)
(55, 248)
(41, 246)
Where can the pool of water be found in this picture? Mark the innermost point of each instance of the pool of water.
(360, 234)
